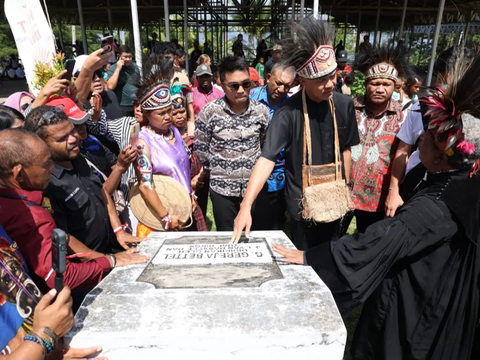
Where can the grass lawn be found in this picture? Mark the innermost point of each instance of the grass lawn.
(352, 320)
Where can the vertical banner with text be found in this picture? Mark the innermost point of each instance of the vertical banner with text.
(33, 36)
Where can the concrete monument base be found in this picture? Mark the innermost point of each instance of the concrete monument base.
(200, 297)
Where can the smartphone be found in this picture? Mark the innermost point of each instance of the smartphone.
(69, 65)
(134, 132)
(106, 43)
(59, 256)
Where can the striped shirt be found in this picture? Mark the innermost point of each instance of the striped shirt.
(118, 130)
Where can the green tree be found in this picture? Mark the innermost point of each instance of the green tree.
(7, 40)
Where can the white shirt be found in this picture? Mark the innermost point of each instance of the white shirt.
(409, 133)
(218, 87)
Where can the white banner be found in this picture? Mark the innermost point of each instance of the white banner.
(33, 36)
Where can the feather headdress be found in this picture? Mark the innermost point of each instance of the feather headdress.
(385, 62)
(154, 87)
(309, 48)
(178, 95)
(445, 109)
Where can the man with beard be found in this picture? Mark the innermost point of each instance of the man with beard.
(25, 172)
(204, 92)
(379, 119)
(229, 154)
(271, 213)
(75, 196)
(122, 78)
(309, 49)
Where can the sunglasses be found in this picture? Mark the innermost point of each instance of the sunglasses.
(49, 115)
(98, 73)
(235, 86)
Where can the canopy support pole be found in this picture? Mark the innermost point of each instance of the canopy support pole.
(82, 25)
(377, 23)
(359, 26)
(315, 9)
(185, 26)
(302, 9)
(110, 21)
(438, 24)
(404, 13)
(136, 35)
(167, 21)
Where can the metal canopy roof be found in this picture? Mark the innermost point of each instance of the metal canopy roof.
(251, 12)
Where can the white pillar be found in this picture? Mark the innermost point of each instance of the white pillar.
(185, 26)
(167, 21)
(302, 9)
(438, 24)
(315, 8)
(82, 25)
(404, 12)
(293, 9)
(136, 35)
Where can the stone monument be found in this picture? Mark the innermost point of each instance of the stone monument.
(200, 297)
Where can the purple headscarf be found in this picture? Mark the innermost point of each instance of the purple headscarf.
(13, 100)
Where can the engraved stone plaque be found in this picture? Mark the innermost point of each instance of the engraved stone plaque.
(212, 253)
(205, 263)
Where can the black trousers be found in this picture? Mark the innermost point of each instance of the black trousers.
(306, 234)
(364, 220)
(226, 208)
(269, 211)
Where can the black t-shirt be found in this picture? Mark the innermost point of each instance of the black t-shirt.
(286, 132)
(77, 204)
(109, 105)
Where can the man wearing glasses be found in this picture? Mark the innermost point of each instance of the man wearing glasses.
(229, 136)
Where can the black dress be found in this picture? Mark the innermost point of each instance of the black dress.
(417, 275)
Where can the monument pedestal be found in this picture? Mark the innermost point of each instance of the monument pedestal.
(200, 297)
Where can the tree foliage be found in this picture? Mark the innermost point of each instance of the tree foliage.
(7, 40)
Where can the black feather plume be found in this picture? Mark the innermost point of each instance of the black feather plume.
(364, 60)
(156, 71)
(304, 38)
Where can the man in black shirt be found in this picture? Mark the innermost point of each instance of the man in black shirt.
(78, 202)
(286, 130)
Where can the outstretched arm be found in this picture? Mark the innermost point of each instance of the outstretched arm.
(262, 170)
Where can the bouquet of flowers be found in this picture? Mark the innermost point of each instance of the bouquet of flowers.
(45, 71)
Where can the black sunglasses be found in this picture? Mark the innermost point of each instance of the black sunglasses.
(98, 73)
(235, 86)
(49, 115)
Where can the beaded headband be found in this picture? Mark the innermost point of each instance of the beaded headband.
(382, 71)
(320, 64)
(157, 98)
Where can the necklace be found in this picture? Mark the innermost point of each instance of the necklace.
(168, 135)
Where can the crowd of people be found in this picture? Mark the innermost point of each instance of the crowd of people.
(118, 152)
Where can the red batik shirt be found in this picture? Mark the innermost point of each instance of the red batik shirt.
(372, 158)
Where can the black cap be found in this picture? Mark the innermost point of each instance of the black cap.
(342, 56)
